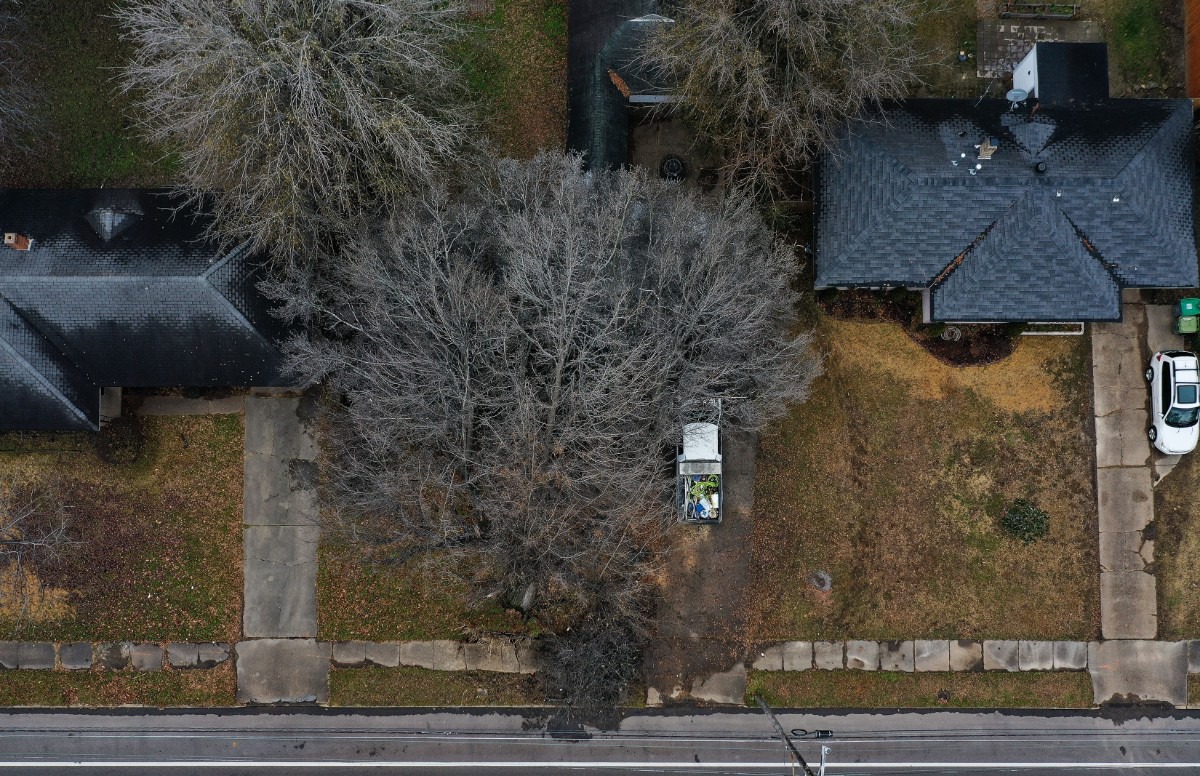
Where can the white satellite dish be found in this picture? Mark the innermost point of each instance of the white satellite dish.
(1017, 96)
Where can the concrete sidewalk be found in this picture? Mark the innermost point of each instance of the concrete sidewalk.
(280, 557)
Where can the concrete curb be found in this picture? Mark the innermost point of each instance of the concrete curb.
(110, 656)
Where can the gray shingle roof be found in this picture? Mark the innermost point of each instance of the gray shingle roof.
(151, 305)
(895, 209)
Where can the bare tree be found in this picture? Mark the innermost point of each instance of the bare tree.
(769, 82)
(34, 525)
(15, 92)
(307, 118)
(513, 373)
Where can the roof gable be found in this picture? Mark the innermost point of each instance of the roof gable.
(1120, 171)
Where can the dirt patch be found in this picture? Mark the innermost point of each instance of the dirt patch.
(700, 627)
(893, 477)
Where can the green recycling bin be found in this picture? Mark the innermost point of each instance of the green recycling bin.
(1189, 306)
(1187, 324)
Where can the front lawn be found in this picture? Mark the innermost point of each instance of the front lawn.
(159, 553)
(893, 478)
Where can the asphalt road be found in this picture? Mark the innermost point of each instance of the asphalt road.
(323, 741)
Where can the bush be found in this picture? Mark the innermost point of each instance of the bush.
(1025, 521)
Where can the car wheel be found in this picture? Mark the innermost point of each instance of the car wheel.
(1152, 433)
(1149, 375)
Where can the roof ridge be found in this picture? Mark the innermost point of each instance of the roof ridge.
(42, 380)
(1092, 251)
(237, 250)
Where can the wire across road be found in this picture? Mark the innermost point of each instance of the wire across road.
(514, 742)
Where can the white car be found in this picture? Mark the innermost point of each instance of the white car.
(1174, 401)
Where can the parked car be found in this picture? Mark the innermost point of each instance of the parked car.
(1174, 401)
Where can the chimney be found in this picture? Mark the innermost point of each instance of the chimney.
(988, 147)
(18, 242)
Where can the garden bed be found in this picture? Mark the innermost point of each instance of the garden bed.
(893, 478)
(156, 510)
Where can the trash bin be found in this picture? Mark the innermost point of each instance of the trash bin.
(1189, 306)
(1187, 324)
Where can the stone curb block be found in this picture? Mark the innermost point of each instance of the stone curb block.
(1035, 655)
(797, 655)
(931, 655)
(1193, 657)
(1001, 656)
(75, 656)
(36, 655)
(8, 654)
(111, 656)
(146, 657)
(828, 655)
(769, 658)
(349, 654)
(1070, 655)
(862, 655)
(211, 654)
(966, 655)
(183, 654)
(896, 656)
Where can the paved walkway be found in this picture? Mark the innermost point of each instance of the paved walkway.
(280, 661)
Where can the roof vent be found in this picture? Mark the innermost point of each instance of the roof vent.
(1039, 168)
(113, 213)
(988, 147)
(18, 242)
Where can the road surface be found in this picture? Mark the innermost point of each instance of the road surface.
(246, 741)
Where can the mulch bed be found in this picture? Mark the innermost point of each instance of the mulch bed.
(978, 343)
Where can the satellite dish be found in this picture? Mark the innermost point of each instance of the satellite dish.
(1017, 95)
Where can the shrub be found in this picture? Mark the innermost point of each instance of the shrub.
(1025, 521)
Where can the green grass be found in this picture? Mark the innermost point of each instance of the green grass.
(210, 687)
(85, 137)
(421, 687)
(1136, 40)
(943, 29)
(862, 689)
(514, 60)
(159, 539)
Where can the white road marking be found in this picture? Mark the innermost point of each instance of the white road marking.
(605, 765)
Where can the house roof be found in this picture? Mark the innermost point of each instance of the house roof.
(899, 206)
(1072, 72)
(120, 289)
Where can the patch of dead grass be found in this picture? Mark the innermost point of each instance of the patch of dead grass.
(859, 689)
(1023, 382)
(893, 481)
(421, 687)
(1177, 551)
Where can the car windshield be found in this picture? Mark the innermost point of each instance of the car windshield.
(1182, 418)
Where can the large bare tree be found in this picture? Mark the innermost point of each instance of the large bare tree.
(769, 82)
(306, 118)
(16, 94)
(512, 374)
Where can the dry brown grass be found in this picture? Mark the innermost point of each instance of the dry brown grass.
(420, 687)
(858, 689)
(892, 478)
(1177, 551)
(159, 553)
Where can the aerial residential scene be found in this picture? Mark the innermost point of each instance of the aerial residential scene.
(707, 386)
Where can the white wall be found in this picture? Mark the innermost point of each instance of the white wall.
(1025, 74)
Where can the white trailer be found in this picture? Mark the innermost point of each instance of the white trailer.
(698, 488)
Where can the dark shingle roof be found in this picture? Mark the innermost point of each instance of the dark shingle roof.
(895, 209)
(152, 305)
(1072, 72)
